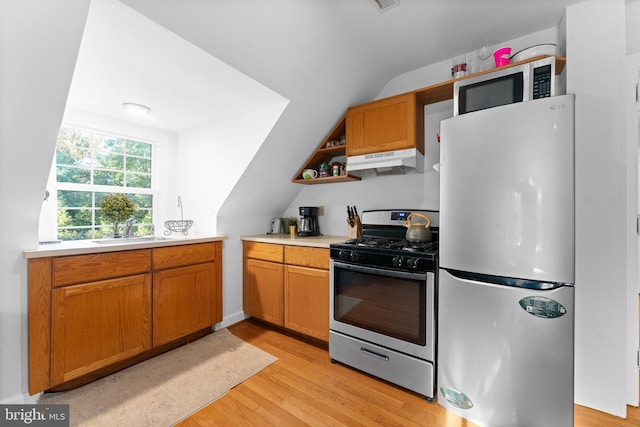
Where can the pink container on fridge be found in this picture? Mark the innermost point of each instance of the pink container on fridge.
(501, 56)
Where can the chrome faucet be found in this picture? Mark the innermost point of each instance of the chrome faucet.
(127, 226)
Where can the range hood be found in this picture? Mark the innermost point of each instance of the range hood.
(387, 161)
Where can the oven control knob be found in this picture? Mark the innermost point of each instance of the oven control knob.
(355, 256)
(397, 261)
(412, 263)
(342, 254)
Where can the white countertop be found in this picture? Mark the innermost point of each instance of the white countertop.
(78, 247)
(286, 239)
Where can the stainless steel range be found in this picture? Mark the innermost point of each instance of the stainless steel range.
(383, 301)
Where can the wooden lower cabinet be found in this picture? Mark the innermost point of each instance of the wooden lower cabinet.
(306, 299)
(263, 291)
(92, 314)
(99, 323)
(288, 286)
(182, 301)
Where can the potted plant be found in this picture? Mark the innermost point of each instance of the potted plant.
(293, 225)
(117, 208)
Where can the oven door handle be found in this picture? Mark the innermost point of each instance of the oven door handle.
(378, 270)
(374, 354)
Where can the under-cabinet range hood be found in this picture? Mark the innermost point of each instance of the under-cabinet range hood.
(387, 161)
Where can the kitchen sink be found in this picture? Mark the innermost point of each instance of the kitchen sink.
(125, 240)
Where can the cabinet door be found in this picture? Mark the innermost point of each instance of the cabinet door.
(99, 323)
(183, 301)
(263, 292)
(385, 125)
(307, 301)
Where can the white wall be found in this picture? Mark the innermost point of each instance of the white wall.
(633, 242)
(35, 76)
(601, 222)
(212, 158)
(633, 141)
(412, 190)
(633, 27)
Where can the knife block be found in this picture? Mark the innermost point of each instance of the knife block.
(355, 231)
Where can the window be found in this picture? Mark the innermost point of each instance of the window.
(89, 165)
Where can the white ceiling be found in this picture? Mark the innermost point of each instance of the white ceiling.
(285, 45)
(125, 57)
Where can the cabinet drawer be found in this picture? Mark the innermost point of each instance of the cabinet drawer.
(264, 251)
(182, 255)
(72, 269)
(307, 257)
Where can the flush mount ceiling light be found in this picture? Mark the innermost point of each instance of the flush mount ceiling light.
(137, 109)
(385, 5)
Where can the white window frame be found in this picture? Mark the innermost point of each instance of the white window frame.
(86, 122)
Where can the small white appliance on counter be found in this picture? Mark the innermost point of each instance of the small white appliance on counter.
(506, 283)
(277, 226)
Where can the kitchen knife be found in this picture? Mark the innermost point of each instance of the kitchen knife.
(350, 217)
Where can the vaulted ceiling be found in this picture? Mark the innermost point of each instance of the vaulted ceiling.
(206, 59)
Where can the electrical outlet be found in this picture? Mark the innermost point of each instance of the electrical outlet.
(321, 210)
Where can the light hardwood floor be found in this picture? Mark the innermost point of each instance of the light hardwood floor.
(304, 388)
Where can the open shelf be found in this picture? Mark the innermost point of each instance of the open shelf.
(444, 91)
(325, 153)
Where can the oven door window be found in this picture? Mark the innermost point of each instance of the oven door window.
(382, 301)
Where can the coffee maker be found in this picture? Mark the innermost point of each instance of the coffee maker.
(308, 221)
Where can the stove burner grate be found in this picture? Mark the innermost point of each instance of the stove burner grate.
(403, 245)
(418, 246)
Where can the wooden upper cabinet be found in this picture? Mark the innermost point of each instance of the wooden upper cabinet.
(389, 124)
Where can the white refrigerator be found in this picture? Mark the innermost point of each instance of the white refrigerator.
(506, 295)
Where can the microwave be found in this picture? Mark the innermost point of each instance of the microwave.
(518, 83)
